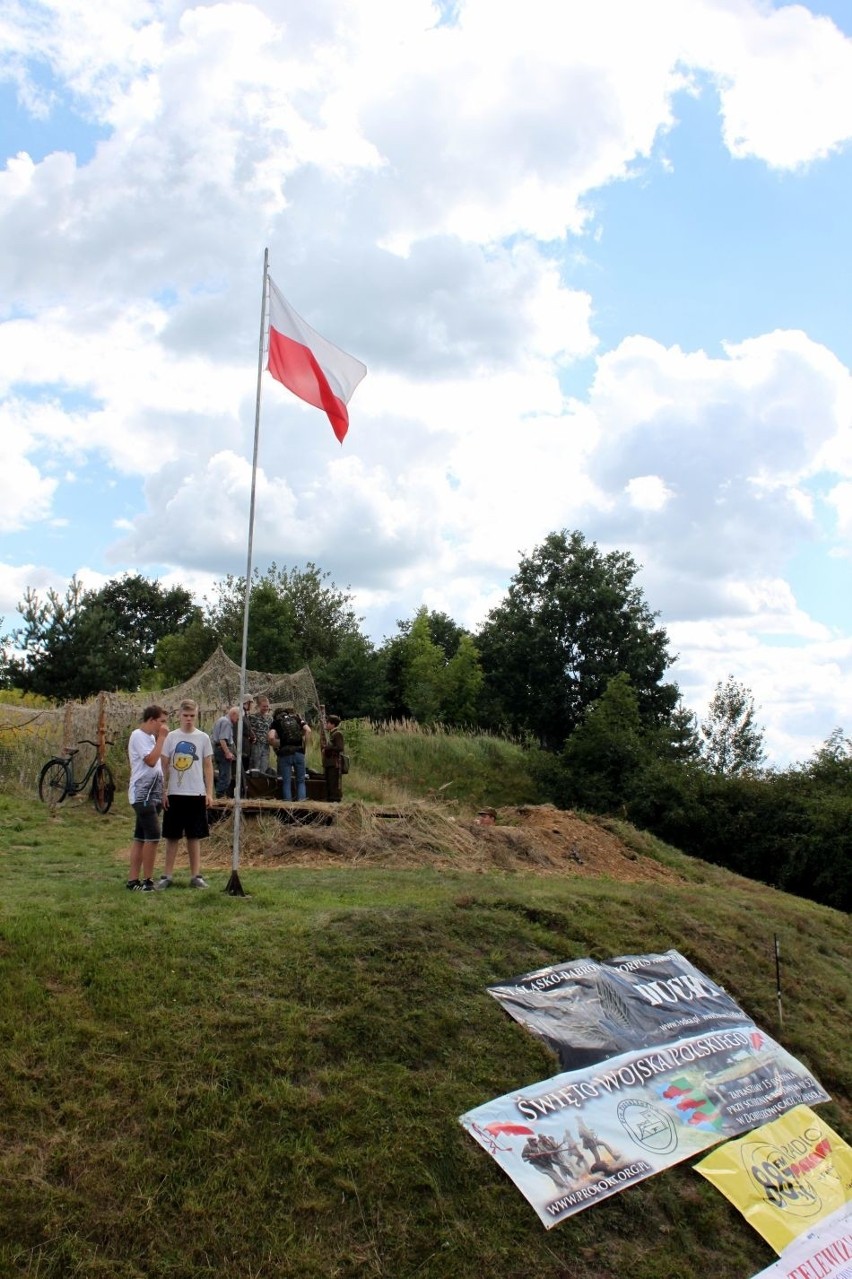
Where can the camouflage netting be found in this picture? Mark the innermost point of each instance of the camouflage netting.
(215, 687)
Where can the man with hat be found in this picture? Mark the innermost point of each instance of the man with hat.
(289, 736)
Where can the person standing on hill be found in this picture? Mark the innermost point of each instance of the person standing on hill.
(225, 749)
(145, 794)
(332, 758)
(187, 760)
(289, 735)
(260, 723)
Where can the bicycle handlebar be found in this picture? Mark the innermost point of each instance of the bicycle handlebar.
(88, 741)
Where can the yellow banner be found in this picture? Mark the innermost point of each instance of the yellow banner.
(784, 1177)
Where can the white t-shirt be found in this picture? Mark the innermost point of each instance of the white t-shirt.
(146, 780)
(185, 753)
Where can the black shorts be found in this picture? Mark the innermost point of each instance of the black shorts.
(147, 822)
(186, 815)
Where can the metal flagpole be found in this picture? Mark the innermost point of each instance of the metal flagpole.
(233, 886)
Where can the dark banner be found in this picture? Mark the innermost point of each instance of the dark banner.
(587, 1011)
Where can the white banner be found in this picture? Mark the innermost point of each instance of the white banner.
(825, 1253)
(582, 1136)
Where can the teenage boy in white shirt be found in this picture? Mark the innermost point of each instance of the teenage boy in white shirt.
(187, 793)
(145, 794)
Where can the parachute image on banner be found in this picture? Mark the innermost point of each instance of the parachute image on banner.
(584, 1135)
(784, 1177)
(587, 1011)
(823, 1253)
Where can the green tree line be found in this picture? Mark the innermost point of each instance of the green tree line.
(572, 662)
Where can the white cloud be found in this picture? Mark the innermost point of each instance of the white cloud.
(226, 113)
(734, 440)
(415, 181)
(25, 494)
(840, 498)
(784, 79)
(647, 492)
(800, 694)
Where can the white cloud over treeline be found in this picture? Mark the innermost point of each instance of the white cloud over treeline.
(422, 181)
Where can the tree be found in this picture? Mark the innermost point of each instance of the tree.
(76, 644)
(443, 631)
(296, 616)
(572, 620)
(603, 753)
(144, 611)
(423, 671)
(179, 656)
(350, 683)
(731, 741)
(70, 650)
(432, 677)
(463, 680)
(6, 673)
(676, 740)
(831, 766)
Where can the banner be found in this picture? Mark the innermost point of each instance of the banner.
(584, 1135)
(784, 1177)
(824, 1253)
(587, 1011)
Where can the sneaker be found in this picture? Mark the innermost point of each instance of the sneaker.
(148, 886)
(134, 885)
(165, 881)
(198, 882)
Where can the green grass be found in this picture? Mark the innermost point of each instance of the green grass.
(469, 769)
(197, 1085)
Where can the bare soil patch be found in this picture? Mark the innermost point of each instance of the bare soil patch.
(539, 839)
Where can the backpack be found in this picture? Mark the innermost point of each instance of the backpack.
(289, 734)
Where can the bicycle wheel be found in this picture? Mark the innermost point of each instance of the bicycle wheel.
(103, 788)
(54, 782)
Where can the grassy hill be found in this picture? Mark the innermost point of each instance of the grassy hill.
(197, 1085)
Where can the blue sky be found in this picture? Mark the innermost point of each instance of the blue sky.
(599, 283)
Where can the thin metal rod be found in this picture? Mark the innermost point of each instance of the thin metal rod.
(238, 784)
(778, 980)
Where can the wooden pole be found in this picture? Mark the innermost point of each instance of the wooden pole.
(101, 727)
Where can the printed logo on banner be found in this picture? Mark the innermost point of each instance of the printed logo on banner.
(648, 1126)
(784, 1177)
(778, 1175)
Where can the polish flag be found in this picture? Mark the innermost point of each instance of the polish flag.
(309, 365)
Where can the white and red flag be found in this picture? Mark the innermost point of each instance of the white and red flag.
(309, 365)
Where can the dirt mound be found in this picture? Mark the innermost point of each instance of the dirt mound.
(540, 839)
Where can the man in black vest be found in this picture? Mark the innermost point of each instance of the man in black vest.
(289, 736)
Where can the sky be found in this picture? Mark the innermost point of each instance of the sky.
(595, 255)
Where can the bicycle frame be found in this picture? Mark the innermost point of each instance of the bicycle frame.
(76, 787)
(57, 779)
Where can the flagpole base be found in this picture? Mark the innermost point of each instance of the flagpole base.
(233, 887)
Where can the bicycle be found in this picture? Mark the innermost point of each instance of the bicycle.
(56, 781)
